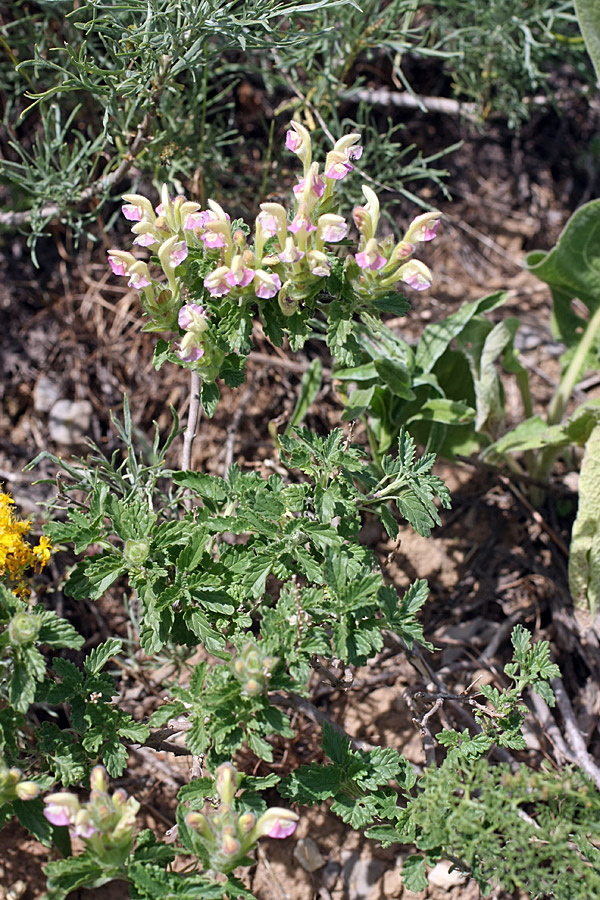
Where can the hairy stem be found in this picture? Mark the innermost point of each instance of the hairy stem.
(190, 431)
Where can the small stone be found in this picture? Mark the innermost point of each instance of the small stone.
(45, 394)
(360, 876)
(392, 884)
(441, 876)
(308, 855)
(329, 874)
(70, 421)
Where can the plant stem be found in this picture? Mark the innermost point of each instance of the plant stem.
(560, 400)
(190, 431)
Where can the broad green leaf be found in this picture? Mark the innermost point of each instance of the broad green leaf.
(396, 303)
(65, 875)
(436, 338)
(309, 388)
(355, 811)
(449, 412)
(526, 436)
(483, 343)
(572, 269)
(57, 632)
(588, 15)
(396, 376)
(535, 434)
(357, 403)
(584, 557)
(366, 372)
(30, 814)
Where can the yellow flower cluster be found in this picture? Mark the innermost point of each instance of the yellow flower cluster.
(16, 555)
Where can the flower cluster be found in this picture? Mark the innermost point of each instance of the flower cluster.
(380, 264)
(106, 823)
(16, 555)
(253, 669)
(226, 835)
(14, 787)
(289, 258)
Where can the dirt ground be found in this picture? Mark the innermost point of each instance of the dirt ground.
(72, 332)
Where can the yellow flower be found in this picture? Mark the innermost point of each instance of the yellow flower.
(16, 555)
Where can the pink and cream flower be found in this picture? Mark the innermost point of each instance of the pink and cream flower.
(266, 284)
(216, 282)
(370, 258)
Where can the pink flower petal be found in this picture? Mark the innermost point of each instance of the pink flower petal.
(117, 265)
(57, 815)
(138, 281)
(132, 212)
(282, 829)
(213, 239)
(145, 240)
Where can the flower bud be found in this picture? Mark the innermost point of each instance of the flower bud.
(298, 141)
(24, 628)
(366, 218)
(98, 778)
(226, 782)
(201, 824)
(246, 823)
(136, 552)
(27, 790)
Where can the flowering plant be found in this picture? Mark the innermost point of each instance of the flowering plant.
(214, 275)
(248, 584)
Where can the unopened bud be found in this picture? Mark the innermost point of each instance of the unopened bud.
(136, 552)
(99, 779)
(27, 790)
(24, 628)
(226, 782)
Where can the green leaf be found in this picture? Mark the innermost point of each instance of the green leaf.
(92, 576)
(395, 303)
(233, 370)
(335, 744)
(413, 874)
(99, 656)
(161, 353)
(312, 784)
(30, 814)
(584, 556)
(441, 409)
(57, 632)
(588, 15)
(209, 395)
(396, 376)
(309, 388)
(358, 401)
(436, 338)
(355, 811)
(526, 435)
(65, 875)
(572, 269)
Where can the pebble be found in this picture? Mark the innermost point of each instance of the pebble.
(441, 876)
(360, 875)
(45, 394)
(70, 421)
(308, 855)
